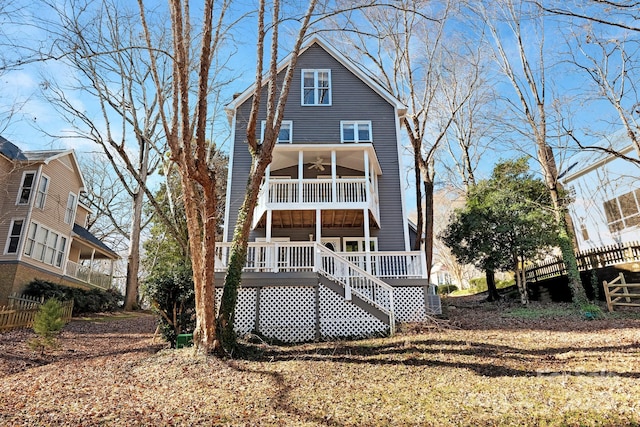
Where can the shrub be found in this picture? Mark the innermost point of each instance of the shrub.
(47, 325)
(446, 289)
(478, 284)
(84, 301)
(173, 300)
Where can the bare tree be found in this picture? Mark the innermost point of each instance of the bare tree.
(525, 69)
(184, 110)
(261, 152)
(406, 47)
(112, 69)
(610, 61)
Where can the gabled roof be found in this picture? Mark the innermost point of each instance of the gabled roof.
(11, 151)
(355, 70)
(85, 235)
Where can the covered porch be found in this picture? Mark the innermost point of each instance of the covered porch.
(90, 261)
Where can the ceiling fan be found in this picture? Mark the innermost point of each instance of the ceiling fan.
(318, 165)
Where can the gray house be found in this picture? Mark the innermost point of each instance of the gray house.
(329, 253)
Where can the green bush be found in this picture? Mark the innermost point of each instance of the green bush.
(84, 301)
(173, 299)
(47, 325)
(446, 289)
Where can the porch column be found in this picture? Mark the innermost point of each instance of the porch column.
(111, 275)
(367, 240)
(334, 186)
(268, 225)
(366, 178)
(93, 253)
(318, 226)
(300, 174)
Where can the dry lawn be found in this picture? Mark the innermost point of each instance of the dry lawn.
(503, 366)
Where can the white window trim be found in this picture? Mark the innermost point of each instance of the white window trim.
(73, 211)
(315, 83)
(56, 249)
(46, 191)
(356, 123)
(33, 187)
(22, 232)
(263, 124)
(361, 243)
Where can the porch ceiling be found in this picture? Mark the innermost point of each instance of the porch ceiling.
(339, 218)
(347, 155)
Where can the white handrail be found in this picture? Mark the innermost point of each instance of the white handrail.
(390, 265)
(357, 281)
(87, 274)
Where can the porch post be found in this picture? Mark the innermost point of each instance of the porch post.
(268, 225)
(300, 174)
(334, 186)
(318, 226)
(111, 275)
(93, 253)
(367, 240)
(367, 171)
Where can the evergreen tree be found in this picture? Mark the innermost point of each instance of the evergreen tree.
(47, 325)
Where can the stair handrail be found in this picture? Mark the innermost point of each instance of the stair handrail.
(346, 281)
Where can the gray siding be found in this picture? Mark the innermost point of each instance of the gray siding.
(352, 99)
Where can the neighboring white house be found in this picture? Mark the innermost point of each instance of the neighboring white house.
(606, 188)
(329, 248)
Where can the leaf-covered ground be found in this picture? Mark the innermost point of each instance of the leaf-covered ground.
(501, 365)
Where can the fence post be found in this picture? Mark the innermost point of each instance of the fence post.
(607, 296)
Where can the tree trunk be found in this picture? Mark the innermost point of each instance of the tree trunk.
(202, 241)
(521, 281)
(492, 291)
(237, 259)
(419, 213)
(133, 260)
(428, 220)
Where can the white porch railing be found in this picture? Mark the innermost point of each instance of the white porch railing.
(356, 281)
(299, 256)
(390, 265)
(88, 275)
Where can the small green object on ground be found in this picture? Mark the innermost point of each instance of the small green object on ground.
(184, 340)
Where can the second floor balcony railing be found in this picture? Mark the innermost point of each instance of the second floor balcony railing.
(290, 191)
(88, 275)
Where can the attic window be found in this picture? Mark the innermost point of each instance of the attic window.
(623, 211)
(316, 87)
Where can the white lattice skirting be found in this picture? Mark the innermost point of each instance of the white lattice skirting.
(307, 313)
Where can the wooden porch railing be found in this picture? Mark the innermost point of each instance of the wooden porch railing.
(587, 260)
(88, 275)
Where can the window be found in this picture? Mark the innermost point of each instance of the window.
(355, 131)
(24, 195)
(286, 132)
(316, 87)
(41, 194)
(623, 211)
(357, 244)
(70, 213)
(45, 245)
(15, 231)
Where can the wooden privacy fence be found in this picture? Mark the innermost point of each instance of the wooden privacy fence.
(587, 260)
(22, 310)
(619, 292)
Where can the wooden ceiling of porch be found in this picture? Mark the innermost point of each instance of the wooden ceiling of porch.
(340, 218)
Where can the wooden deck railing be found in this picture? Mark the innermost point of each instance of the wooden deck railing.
(587, 260)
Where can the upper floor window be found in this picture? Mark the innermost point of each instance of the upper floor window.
(623, 211)
(286, 132)
(70, 212)
(41, 194)
(24, 195)
(15, 231)
(45, 245)
(355, 131)
(316, 87)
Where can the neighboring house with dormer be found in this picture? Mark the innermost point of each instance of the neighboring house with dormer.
(329, 253)
(42, 223)
(606, 192)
